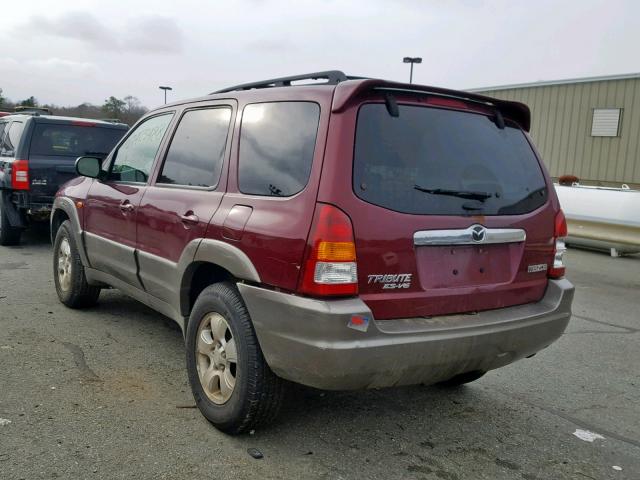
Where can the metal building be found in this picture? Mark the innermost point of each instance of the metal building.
(587, 127)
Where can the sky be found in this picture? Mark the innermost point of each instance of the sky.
(73, 51)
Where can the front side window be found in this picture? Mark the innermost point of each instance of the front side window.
(134, 158)
(432, 161)
(196, 152)
(277, 141)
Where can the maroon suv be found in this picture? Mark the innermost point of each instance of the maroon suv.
(356, 233)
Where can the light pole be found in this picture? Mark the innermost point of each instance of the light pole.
(165, 92)
(412, 60)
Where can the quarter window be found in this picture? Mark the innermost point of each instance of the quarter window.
(3, 127)
(11, 139)
(277, 141)
(134, 158)
(197, 150)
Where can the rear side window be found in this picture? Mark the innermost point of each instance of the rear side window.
(197, 150)
(433, 161)
(51, 140)
(12, 138)
(135, 156)
(277, 141)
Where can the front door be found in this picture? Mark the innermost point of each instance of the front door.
(178, 205)
(112, 204)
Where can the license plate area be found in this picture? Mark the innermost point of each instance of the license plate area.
(467, 265)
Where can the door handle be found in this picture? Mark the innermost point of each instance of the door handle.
(126, 206)
(189, 218)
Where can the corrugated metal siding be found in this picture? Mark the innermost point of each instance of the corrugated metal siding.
(561, 128)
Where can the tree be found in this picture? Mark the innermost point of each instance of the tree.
(133, 109)
(113, 107)
(132, 102)
(1, 98)
(29, 102)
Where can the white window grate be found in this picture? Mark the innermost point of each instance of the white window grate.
(606, 122)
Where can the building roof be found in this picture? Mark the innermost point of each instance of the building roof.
(545, 83)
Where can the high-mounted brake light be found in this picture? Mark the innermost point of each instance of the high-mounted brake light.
(82, 123)
(20, 175)
(560, 232)
(329, 268)
(447, 102)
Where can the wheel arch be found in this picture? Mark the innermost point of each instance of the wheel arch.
(211, 261)
(57, 217)
(65, 209)
(196, 277)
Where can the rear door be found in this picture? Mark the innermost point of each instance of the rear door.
(269, 204)
(451, 213)
(55, 146)
(188, 188)
(112, 204)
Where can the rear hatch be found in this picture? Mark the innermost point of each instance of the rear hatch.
(449, 204)
(55, 145)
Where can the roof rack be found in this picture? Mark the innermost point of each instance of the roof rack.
(333, 77)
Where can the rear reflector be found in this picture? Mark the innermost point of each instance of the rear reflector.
(20, 175)
(329, 268)
(558, 269)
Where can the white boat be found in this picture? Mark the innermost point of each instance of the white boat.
(602, 217)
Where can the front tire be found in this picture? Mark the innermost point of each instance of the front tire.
(68, 272)
(232, 384)
(9, 235)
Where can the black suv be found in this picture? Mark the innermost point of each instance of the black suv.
(37, 155)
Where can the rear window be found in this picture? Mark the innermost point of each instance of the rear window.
(73, 140)
(433, 161)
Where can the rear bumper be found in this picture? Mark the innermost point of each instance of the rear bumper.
(34, 207)
(309, 341)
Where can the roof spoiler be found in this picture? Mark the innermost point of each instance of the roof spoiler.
(349, 89)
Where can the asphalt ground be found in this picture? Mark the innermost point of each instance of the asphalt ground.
(103, 393)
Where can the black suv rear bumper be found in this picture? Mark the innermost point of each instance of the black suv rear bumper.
(21, 207)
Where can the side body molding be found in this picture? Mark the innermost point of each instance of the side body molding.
(67, 206)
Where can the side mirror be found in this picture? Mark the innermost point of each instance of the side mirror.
(89, 167)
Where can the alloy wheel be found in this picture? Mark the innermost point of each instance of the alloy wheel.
(216, 358)
(64, 264)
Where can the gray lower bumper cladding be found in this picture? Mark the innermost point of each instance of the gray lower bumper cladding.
(338, 345)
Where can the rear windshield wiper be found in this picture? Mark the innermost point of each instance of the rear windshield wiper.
(468, 194)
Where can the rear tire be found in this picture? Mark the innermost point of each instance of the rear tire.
(9, 235)
(68, 272)
(232, 384)
(462, 379)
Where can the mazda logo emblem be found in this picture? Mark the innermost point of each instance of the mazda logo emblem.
(478, 233)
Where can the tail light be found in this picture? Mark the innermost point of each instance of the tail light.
(329, 268)
(20, 175)
(558, 268)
